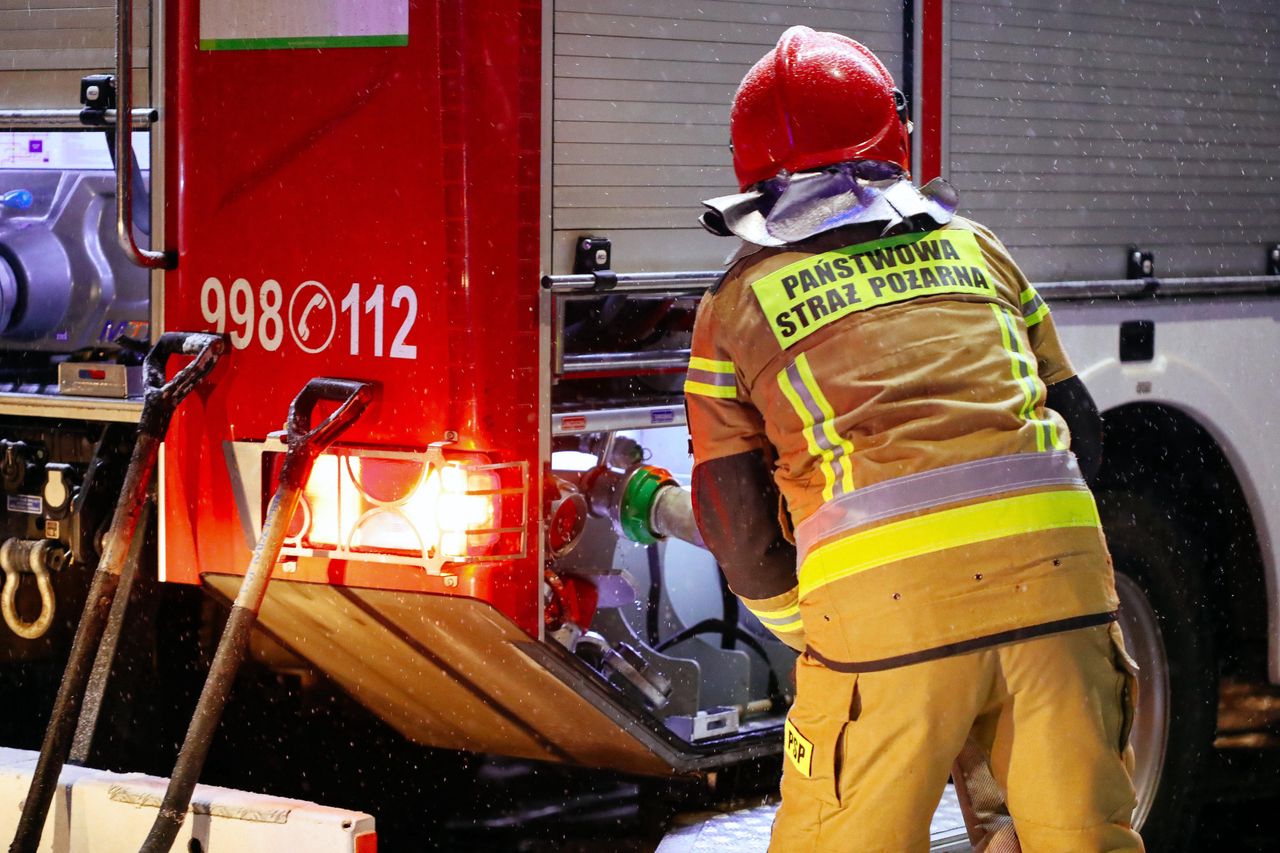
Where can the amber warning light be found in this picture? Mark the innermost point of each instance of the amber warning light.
(417, 508)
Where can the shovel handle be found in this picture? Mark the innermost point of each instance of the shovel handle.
(163, 396)
(353, 398)
(304, 444)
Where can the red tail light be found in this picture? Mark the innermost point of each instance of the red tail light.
(404, 507)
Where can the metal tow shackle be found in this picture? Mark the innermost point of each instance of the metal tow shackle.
(18, 557)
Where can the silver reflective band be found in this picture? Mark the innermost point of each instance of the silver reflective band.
(728, 380)
(818, 428)
(930, 489)
(777, 623)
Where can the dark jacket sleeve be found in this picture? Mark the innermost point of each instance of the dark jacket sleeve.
(1071, 399)
(735, 503)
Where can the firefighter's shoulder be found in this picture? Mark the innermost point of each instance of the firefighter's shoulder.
(726, 301)
(749, 266)
(986, 238)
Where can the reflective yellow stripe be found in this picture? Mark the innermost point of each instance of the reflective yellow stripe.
(1042, 311)
(1019, 367)
(725, 392)
(793, 610)
(829, 428)
(951, 528)
(786, 620)
(697, 362)
(810, 437)
(1040, 314)
(1025, 372)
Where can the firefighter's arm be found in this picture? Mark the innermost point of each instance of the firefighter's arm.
(1066, 394)
(735, 500)
(736, 505)
(1071, 399)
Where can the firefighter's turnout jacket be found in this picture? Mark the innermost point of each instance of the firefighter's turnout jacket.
(892, 391)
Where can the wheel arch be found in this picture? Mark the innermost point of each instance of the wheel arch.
(1166, 453)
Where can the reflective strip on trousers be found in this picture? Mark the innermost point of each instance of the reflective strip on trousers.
(941, 486)
(945, 529)
(816, 414)
(1024, 371)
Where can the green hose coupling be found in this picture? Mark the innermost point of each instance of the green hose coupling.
(635, 509)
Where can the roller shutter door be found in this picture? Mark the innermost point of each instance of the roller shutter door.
(46, 46)
(1078, 129)
(640, 114)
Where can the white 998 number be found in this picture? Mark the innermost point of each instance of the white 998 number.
(247, 315)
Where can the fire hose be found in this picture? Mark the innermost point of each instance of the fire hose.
(645, 503)
(303, 444)
(160, 400)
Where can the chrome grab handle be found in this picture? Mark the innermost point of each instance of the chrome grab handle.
(145, 258)
(143, 118)
(699, 280)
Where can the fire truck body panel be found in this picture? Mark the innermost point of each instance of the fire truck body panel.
(363, 270)
(455, 195)
(1206, 378)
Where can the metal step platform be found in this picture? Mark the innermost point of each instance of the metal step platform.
(747, 830)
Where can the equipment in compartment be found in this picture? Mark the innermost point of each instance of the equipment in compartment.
(64, 283)
(58, 481)
(665, 630)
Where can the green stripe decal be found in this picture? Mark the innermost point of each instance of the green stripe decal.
(305, 42)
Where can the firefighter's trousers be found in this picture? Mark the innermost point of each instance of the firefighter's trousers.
(868, 754)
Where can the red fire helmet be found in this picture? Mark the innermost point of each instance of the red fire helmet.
(815, 99)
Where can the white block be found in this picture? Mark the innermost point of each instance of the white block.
(95, 811)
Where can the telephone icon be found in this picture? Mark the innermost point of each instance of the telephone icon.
(317, 302)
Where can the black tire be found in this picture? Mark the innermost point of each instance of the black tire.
(1159, 573)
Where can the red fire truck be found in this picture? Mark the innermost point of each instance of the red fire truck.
(483, 211)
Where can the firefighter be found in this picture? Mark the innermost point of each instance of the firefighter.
(883, 424)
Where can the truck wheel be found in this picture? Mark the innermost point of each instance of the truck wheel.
(1158, 577)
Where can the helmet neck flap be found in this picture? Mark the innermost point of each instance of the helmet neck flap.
(791, 208)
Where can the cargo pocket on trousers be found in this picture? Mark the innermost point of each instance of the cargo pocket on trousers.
(813, 738)
(1127, 667)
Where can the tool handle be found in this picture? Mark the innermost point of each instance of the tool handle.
(205, 348)
(353, 397)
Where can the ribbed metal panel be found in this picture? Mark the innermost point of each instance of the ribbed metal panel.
(641, 112)
(46, 46)
(1081, 127)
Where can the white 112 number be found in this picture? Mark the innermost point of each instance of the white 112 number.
(403, 295)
